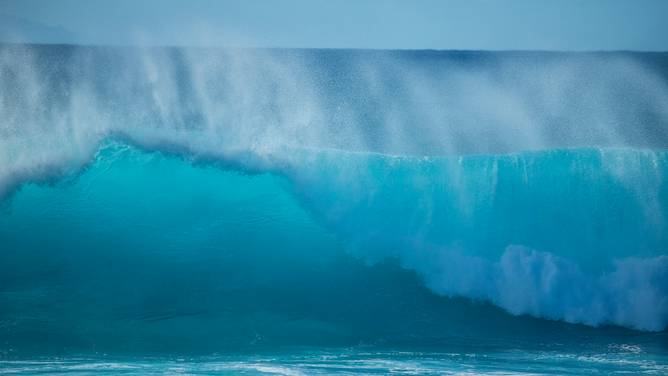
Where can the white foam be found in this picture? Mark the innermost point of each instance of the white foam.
(526, 281)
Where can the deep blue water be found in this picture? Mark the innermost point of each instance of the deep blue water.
(329, 211)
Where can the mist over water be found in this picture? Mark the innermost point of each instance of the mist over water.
(59, 102)
(393, 102)
(165, 199)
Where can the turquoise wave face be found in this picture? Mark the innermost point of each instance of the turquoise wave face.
(590, 206)
(573, 234)
(147, 251)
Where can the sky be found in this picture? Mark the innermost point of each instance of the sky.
(563, 25)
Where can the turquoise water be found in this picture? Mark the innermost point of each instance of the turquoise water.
(279, 212)
(337, 361)
(142, 253)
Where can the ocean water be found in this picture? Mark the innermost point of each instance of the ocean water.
(212, 211)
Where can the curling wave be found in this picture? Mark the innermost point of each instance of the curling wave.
(511, 178)
(574, 235)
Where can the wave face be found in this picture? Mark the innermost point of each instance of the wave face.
(166, 199)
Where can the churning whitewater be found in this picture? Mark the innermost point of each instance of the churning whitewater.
(152, 194)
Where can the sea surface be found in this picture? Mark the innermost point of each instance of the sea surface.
(298, 212)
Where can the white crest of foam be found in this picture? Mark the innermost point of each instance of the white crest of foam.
(539, 284)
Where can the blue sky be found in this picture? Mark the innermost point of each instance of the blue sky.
(386, 24)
